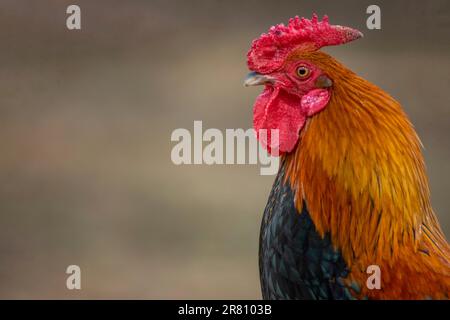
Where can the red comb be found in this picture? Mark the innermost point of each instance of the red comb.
(270, 49)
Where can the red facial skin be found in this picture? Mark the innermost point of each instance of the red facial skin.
(286, 103)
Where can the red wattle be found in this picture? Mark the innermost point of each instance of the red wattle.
(276, 109)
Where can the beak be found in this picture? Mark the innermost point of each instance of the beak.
(256, 79)
(323, 82)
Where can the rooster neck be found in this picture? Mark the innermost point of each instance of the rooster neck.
(358, 167)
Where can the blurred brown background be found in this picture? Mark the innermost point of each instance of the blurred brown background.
(86, 118)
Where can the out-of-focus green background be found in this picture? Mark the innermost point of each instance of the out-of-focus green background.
(85, 124)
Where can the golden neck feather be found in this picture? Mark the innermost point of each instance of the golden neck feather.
(359, 169)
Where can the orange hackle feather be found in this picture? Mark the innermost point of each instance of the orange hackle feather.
(359, 169)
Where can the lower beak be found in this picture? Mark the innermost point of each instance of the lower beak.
(256, 79)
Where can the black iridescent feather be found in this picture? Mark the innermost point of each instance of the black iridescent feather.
(295, 262)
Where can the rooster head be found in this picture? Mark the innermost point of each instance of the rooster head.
(295, 87)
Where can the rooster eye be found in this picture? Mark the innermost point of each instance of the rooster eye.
(303, 72)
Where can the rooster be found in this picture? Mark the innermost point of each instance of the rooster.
(351, 191)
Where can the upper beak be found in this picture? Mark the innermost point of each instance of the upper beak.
(256, 79)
